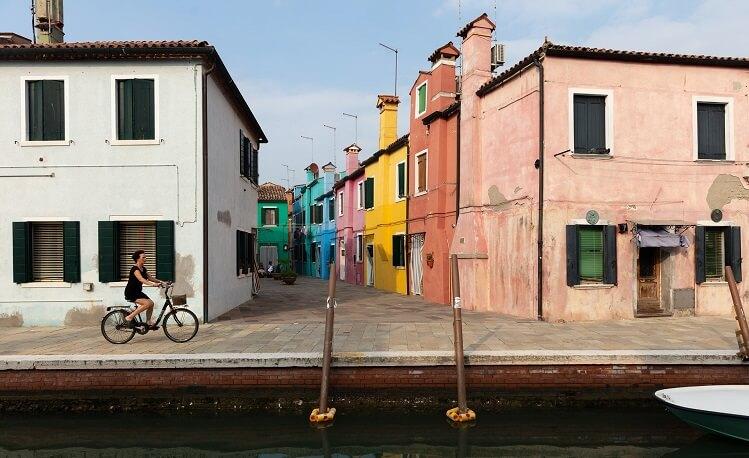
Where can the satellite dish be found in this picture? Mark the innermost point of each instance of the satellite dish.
(591, 217)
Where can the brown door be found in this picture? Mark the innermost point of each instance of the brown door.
(649, 281)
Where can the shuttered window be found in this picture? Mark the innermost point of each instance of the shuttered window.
(45, 110)
(590, 245)
(591, 254)
(255, 169)
(245, 253)
(711, 131)
(715, 260)
(134, 236)
(360, 195)
(399, 250)
(313, 252)
(270, 217)
(400, 179)
(340, 203)
(421, 101)
(47, 251)
(244, 156)
(331, 209)
(369, 193)
(421, 173)
(590, 124)
(359, 248)
(136, 110)
(716, 248)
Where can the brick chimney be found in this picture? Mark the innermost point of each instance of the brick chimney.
(388, 105)
(477, 42)
(352, 157)
(442, 77)
(49, 21)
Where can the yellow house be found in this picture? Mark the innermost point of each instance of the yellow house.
(382, 194)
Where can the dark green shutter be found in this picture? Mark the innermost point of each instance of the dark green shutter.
(369, 193)
(331, 209)
(125, 110)
(401, 180)
(711, 131)
(573, 271)
(278, 215)
(422, 98)
(609, 255)
(35, 107)
(589, 123)
(733, 251)
(398, 251)
(46, 110)
(22, 272)
(108, 247)
(699, 251)
(143, 109)
(240, 253)
(250, 252)
(71, 235)
(165, 250)
(256, 169)
(262, 216)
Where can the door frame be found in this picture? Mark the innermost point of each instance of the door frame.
(659, 285)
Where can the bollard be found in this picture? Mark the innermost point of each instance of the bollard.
(739, 313)
(324, 413)
(462, 412)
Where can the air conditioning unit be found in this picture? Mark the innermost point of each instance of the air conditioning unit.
(498, 55)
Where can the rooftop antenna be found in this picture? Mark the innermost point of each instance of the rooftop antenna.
(312, 141)
(332, 151)
(33, 22)
(356, 126)
(395, 89)
(288, 181)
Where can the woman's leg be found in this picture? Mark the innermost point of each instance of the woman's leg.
(149, 311)
(142, 304)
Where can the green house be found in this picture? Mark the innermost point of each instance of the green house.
(273, 227)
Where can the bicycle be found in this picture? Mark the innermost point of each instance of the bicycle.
(180, 323)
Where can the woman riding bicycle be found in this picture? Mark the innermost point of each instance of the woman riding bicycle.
(134, 290)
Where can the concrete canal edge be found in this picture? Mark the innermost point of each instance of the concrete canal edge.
(238, 381)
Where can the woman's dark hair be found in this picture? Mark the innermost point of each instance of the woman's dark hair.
(137, 254)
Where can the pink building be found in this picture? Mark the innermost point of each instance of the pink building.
(599, 184)
(350, 220)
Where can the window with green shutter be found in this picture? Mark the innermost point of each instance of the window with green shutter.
(421, 99)
(715, 260)
(331, 209)
(369, 193)
(711, 131)
(45, 110)
(22, 252)
(136, 109)
(589, 124)
(590, 249)
(400, 178)
(399, 250)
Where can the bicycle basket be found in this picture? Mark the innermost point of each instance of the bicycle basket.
(179, 299)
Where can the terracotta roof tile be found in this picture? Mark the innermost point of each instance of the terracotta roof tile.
(447, 49)
(268, 192)
(135, 44)
(464, 31)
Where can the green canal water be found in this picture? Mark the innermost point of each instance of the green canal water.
(649, 431)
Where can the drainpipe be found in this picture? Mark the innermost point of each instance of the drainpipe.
(457, 171)
(204, 107)
(540, 165)
(408, 233)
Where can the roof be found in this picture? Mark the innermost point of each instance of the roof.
(403, 141)
(352, 176)
(268, 192)
(381, 99)
(136, 50)
(582, 52)
(448, 49)
(452, 109)
(353, 145)
(324, 196)
(464, 31)
(12, 38)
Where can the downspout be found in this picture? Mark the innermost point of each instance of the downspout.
(457, 171)
(540, 165)
(204, 108)
(407, 236)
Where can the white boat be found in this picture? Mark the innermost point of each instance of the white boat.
(721, 409)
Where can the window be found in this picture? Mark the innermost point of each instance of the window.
(46, 252)
(119, 239)
(716, 248)
(340, 203)
(591, 254)
(316, 214)
(360, 195)
(590, 124)
(421, 173)
(136, 236)
(269, 216)
(331, 209)
(400, 180)
(369, 196)
(711, 131)
(313, 252)
(399, 250)
(359, 247)
(421, 99)
(45, 110)
(331, 254)
(136, 109)
(244, 156)
(245, 253)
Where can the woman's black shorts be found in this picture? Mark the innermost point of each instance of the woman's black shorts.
(136, 296)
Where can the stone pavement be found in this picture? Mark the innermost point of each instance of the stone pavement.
(290, 320)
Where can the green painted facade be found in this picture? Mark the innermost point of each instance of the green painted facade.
(273, 231)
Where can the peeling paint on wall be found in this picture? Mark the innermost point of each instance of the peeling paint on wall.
(11, 320)
(224, 217)
(88, 316)
(724, 189)
(185, 272)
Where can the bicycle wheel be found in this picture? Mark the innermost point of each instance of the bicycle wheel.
(114, 328)
(180, 325)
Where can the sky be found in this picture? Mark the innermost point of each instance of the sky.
(301, 64)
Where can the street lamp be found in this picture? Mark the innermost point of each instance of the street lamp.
(356, 126)
(312, 141)
(332, 151)
(395, 90)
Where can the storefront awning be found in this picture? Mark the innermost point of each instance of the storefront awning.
(659, 237)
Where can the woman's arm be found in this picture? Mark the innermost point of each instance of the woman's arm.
(146, 281)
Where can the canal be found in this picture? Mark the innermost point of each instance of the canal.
(646, 431)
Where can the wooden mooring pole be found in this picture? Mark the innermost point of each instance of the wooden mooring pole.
(743, 333)
(462, 412)
(324, 413)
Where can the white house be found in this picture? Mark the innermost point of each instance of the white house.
(109, 147)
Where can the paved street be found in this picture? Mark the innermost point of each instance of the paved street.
(290, 319)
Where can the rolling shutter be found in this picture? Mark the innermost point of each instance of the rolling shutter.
(699, 251)
(609, 255)
(21, 252)
(135, 236)
(573, 272)
(108, 256)
(733, 251)
(72, 251)
(47, 252)
(165, 250)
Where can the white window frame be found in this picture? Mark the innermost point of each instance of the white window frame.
(114, 141)
(360, 195)
(24, 112)
(728, 102)
(340, 203)
(359, 248)
(609, 113)
(417, 183)
(405, 177)
(418, 113)
(264, 207)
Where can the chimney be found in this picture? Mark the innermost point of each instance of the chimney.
(388, 105)
(312, 172)
(352, 157)
(442, 77)
(49, 21)
(10, 38)
(329, 170)
(477, 44)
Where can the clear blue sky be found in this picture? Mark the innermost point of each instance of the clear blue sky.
(300, 64)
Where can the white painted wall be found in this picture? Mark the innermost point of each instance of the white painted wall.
(96, 181)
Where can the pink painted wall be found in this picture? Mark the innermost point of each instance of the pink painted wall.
(351, 223)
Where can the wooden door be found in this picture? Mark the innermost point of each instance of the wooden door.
(649, 281)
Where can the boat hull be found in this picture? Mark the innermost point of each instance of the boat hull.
(727, 425)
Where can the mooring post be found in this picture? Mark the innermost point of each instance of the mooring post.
(739, 312)
(462, 412)
(324, 413)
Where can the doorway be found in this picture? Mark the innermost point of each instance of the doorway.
(417, 264)
(370, 264)
(649, 281)
(342, 260)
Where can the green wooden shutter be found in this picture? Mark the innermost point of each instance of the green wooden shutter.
(143, 109)
(165, 250)
(125, 110)
(240, 253)
(256, 168)
(699, 254)
(369, 192)
(35, 111)
(108, 248)
(733, 251)
(71, 236)
(589, 119)
(54, 110)
(573, 270)
(609, 255)
(262, 217)
(22, 272)
(715, 257)
(711, 131)
(422, 98)
(398, 251)
(401, 180)
(590, 246)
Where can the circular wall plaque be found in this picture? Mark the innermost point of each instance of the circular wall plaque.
(716, 215)
(591, 217)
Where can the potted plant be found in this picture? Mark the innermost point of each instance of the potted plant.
(288, 277)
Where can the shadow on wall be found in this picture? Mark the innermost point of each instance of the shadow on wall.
(11, 320)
